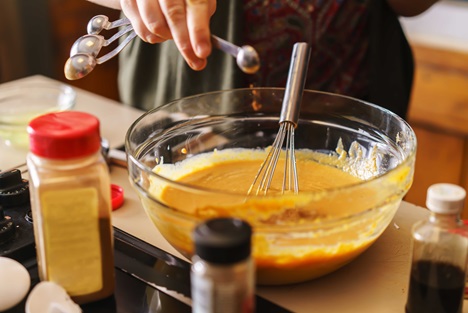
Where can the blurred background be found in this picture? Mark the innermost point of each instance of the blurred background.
(36, 37)
(439, 104)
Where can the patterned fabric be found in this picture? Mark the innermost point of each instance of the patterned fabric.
(337, 31)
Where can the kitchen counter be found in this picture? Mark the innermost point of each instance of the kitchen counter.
(376, 281)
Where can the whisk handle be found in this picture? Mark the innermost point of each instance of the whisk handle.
(295, 85)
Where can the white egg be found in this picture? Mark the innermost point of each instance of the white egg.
(14, 283)
(48, 296)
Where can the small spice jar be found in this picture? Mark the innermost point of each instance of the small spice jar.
(71, 204)
(222, 275)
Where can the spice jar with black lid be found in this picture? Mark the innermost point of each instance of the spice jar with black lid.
(222, 275)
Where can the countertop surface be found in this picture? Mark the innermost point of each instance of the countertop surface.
(377, 281)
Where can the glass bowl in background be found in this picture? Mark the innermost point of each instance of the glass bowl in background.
(364, 140)
(24, 101)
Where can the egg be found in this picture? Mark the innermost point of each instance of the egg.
(14, 283)
(48, 296)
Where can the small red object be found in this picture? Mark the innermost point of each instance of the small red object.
(117, 196)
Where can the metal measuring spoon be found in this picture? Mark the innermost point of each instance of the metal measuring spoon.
(93, 43)
(86, 48)
(101, 22)
(82, 63)
(246, 57)
(79, 65)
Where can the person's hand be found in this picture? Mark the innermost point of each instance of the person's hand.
(184, 21)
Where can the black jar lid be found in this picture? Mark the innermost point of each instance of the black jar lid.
(223, 240)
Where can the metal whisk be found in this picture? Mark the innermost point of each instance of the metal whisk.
(288, 122)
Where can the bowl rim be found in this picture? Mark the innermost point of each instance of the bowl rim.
(132, 159)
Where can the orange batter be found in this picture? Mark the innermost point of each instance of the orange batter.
(285, 257)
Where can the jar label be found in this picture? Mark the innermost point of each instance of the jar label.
(71, 239)
(220, 297)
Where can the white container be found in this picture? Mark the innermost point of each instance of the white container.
(439, 257)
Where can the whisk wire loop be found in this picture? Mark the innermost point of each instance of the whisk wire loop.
(290, 180)
(267, 170)
(268, 166)
(272, 161)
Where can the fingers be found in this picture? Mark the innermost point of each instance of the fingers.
(198, 17)
(176, 18)
(154, 20)
(147, 20)
(184, 21)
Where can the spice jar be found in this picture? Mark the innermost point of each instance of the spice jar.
(71, 204)
(440, 246)
(222, 275)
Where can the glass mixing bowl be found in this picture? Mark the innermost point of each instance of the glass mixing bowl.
(25, 100)
(360, 138)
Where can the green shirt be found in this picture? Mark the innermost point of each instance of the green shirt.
(154, 74)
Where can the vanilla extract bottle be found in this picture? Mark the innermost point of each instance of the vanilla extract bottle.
(439, 255)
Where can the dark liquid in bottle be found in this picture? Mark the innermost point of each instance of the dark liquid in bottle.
(435, 287)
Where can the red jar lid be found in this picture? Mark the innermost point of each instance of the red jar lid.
(64, 135)
(117, 193)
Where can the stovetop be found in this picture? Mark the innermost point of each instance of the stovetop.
(148, 279)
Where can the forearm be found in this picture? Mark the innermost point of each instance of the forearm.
(407, 7)
(113, 4)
